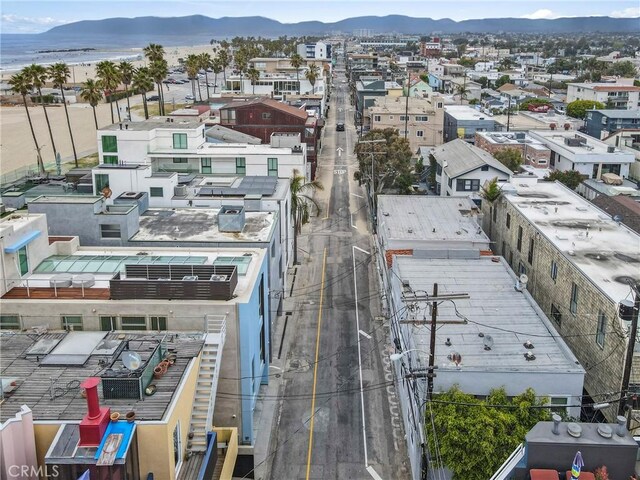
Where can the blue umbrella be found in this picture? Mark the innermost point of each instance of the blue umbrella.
(578, 463)
(85, 476)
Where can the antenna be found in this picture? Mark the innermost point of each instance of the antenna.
(131, 360)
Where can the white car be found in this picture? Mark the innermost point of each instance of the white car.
(190, 97)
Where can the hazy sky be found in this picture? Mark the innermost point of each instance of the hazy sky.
(26, 16)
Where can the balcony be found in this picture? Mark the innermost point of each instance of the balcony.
(175, 282)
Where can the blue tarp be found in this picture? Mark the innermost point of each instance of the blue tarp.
(126, 429)
(13, 248)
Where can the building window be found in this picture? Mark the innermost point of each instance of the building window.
(272, 167)
(109, 143)
(241, 166)
(504, 248)
(156, 192)
(403, 118)
(508, 222)
(558, 405)
(601, 330)
(573, 306)
(133, 323)
(205, 165)
(494, 213)
(467, 185)
(266, 115)
(110, 160)
(72, 322)
(23, 260)
(439, 104)
(180, 141)
(108, 323)
(530, 254)
(519, 244)
(484, 168)
(262, 342)
(158, 323)
(376, 118)
(554, 270)
(261, 298)
(419, 133)
(177, 446)
(522, 270)
(180, 160)
(422, 118)
(110, 230)
(101, 181)
(9, 322)
(555, 314)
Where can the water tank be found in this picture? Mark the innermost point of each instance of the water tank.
(84, 280)
(180, 191)
(61, 280)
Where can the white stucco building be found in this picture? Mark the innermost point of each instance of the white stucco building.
(613, 95)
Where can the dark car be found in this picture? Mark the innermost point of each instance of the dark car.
(153, 98)
(339, 127)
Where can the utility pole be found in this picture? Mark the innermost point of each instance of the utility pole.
(406, 107)
(509, 113)
(432, 340)
(630, 348)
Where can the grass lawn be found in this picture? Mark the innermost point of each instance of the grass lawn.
(154, 110)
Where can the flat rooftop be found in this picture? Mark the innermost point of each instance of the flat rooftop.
(200, 225)
(462, 112)
(492, 304)
(626, 114)
(591, 146)
(82, 199)
(398, 104)
(53, 391)
(606, 253)
(429, 218)
(512, 138)
(153, 123)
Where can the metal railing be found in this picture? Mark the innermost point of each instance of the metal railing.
(506, 469)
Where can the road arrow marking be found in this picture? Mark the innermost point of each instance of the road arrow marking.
(364, 334)
(339, 150)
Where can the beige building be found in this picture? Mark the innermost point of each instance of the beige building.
(424, 123)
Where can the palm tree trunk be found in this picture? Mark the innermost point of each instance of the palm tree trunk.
(66, 112)
(33, 133)
(95, 117)
(53, 143)
(224, 72)
(118, 108)
(111, 107)
(146, 108)
(126, 89)
(193, 87)
(199, 91)
(298, 80)
(206, 79)
(215, 82)
(295, 242)
(161, 101)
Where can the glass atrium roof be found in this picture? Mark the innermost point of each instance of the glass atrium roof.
(109, 263)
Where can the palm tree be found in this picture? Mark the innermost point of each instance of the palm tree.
(491, 192)
(59, 74)
(296, 62)
(253, 75)
(192, 64)
(217, 68)
(312, 76)
(21, 83)
(223, 57)
(142, 83)
(302, 205)
(206, 62)
(126, 75)
(92, 93)
(154, 52)
(38, 76)
(242, 62)
(159, 70)
(109, 78)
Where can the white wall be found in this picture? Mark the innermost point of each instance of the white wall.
(474, 175)
(18, 447)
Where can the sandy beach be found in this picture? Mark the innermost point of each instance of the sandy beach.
(17, 150)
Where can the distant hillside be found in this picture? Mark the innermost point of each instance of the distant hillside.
(261, 26)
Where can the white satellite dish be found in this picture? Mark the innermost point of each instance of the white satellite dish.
(131, 360)
(524, 279)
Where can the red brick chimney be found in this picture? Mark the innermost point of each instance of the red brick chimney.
(95, 422)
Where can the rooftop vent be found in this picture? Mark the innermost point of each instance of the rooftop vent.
(611, 149)
(528, 345)
(231, 219)
(529, 357)
(487, 342)
(556, 423)
(604, 430)
(574, 430)
(621, 429)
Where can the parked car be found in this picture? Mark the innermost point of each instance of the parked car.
(190, 97)
(339, 127)
(153, 98)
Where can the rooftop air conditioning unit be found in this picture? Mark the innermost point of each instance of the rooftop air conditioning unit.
(218, 278)
(189, 278)
(180, 191)
(129, 194)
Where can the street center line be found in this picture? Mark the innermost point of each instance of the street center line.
(315, 367)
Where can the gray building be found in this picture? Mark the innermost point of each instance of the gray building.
(600, 123)
(578, 261)
(463, 122)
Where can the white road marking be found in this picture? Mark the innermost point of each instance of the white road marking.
(339, 171)
(365, 334)
(339, 150)
(373, 473)
(356, 195)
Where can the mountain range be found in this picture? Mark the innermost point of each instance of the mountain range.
(265, 27)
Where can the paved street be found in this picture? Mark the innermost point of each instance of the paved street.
(337, 417)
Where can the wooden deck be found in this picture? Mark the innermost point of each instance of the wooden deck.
(45, 293)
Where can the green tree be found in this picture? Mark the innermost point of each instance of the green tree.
(224, 60)
(92, 93)
(312, 75)
(126, 77)
(296, 62)
(391, 160)
(216, 66)
(510, 158)
(109, 78)
(578, 108)
(302, 205)
(253, 75)
(622, 69)
(491, 191)
(486, 431)
(484, 82)
(524, 105)
(59, 74)
(38, 76)
(158, 69)
(142, 83)
(192, 65)
(433, 166)
(206, 63)
(466, 62)
(570, 178)
(503, 80)
(21, 84)
(241, 58)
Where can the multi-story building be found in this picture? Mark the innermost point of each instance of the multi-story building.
(51, 283)
(461, 121)
(318, 50)
(576, 151)
(579, 263)
(367, 89)
(262, 117)
(283, 65)
(612, 95)
(533, 152)
(461, 169)
(628, 140)
(601, 123)
(432, 48)
(421, 118)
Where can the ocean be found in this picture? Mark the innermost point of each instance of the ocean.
(19, 50)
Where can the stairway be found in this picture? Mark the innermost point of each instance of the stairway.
(206, 385)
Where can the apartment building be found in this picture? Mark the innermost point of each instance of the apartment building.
(578, 261)
(461, 121)
(533, 152)
(613, 95)
(318, 50)
(602, 123)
